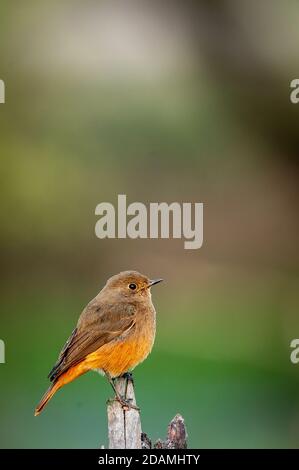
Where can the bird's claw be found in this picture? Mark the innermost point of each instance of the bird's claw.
(126, 403)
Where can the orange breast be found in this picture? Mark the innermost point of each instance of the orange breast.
(120, 356)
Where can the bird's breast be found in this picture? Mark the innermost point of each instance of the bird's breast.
(123, 354)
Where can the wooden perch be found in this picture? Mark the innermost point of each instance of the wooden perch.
(124, 425)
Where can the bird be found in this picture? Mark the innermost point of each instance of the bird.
(115, 332)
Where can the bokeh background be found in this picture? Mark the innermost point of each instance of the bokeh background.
(162, 101)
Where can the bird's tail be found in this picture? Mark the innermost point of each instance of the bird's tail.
(46, 398)
(68, 376)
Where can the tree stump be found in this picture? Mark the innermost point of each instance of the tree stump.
(124, 425)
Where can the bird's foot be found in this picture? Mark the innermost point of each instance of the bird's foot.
(126, 403)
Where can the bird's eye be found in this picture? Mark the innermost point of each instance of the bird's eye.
(132, 286)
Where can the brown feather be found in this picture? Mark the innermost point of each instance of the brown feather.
(98, 325)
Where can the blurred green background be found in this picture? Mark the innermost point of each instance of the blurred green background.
(162, 101)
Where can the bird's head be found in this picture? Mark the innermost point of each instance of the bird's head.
(131, 284)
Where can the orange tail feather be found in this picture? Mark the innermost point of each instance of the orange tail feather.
(46, 398)
(70, 375)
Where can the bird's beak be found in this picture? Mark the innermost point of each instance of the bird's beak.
(154, 281)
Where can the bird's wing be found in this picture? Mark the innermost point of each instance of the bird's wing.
(98, 325)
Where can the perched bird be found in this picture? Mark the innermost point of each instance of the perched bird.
(115, 332)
